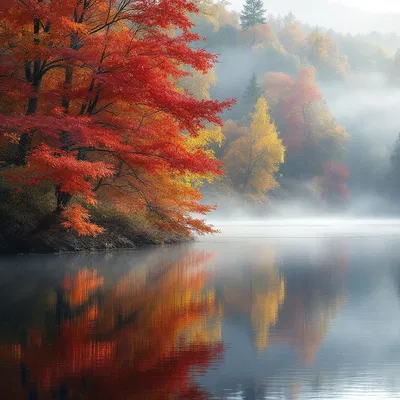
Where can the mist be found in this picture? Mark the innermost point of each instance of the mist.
(342, 16)
(362, 96)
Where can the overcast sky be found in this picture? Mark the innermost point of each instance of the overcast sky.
(377, 6)
(342, 15)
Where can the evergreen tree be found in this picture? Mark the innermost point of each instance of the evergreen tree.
(252, 13)
(394, 174)
(253, 91)
(395, 157)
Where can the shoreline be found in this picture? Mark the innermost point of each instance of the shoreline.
(64, 242)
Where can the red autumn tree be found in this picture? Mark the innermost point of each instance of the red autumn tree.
(296, 97)
(333, 182)
(310, 133)
(89, 103)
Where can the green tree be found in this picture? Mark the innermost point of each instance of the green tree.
(394, 174)
(395, 158)
(253, 13)
(253, 92)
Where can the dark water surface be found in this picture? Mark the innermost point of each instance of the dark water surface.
(260, 318)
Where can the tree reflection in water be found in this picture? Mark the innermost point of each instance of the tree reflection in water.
(312, 303)
(141, 337)
(293, 304)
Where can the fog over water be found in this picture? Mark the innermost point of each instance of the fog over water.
(344, 227)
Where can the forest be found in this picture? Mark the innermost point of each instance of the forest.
(127, 122)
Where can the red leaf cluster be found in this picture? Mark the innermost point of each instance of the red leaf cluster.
(88, 92)
(333, 181)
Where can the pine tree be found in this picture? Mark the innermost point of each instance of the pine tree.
(395, 168)
(253, 91)
(252, 13)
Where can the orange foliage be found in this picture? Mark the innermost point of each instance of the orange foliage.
(89, 91)
(260, 34)
(77, 217)
(142, 338)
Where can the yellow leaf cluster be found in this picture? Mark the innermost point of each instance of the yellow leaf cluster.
(206, 138)
(199, 84)
(323, 127)
(216, 13)
(323, 50)
(252, 160)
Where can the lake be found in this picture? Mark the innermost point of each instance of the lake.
(254, 313)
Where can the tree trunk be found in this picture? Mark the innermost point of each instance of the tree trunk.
(63, 199)
(35, 78)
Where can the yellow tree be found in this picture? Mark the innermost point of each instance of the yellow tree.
(293, 38)
(252, 160)
(215, 13)
(325, 55)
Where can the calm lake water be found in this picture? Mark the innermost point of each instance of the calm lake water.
(228, 317)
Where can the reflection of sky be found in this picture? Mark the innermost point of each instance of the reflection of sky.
(360, 353)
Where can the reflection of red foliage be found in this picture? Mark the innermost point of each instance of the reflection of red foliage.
(170, 376)
(333, 181)
(293, 330)
(144, 339)
(306, 316)
(79, 288)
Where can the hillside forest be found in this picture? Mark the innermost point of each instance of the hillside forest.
(125, 122)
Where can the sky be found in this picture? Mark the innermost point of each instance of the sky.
(375, 6)
(354, 16)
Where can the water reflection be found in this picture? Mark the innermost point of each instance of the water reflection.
(313, 301)
(257, 292)
(261, 319)
(138, 337)
(285, 299)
